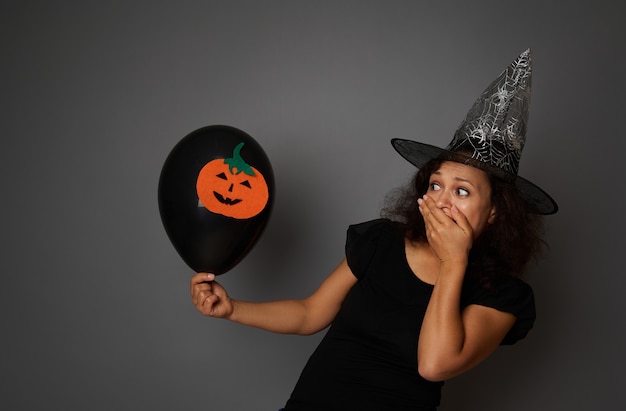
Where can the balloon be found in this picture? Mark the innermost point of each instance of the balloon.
(216, 192)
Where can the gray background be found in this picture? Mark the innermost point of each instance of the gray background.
(95, 307)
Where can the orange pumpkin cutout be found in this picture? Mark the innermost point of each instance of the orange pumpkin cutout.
(231, 187)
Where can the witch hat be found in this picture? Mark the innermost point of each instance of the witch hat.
(493, 134)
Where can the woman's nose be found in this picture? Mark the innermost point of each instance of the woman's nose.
(443, 199)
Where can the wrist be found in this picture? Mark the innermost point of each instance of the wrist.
(232, 315)
(451, 266)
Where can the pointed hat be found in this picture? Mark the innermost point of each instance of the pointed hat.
(492, 135)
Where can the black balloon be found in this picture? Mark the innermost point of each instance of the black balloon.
(206, 234)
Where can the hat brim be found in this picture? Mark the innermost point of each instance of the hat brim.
(419, 154)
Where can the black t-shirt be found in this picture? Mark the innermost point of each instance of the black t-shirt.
(368, 358)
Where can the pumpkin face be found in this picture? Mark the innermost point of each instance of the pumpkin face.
(231, 187)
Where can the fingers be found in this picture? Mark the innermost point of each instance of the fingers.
(205, 301)
(430, 210)
(437, 219)
(461, 220)
(434, 217)
(201, 288)
(209, 297)
(200, 278)
(200, 294)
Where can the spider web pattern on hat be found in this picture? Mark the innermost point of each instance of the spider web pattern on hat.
(495, 126)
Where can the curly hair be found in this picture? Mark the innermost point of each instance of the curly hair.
(504, 248)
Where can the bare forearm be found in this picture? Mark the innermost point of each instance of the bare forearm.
(442, 335)
(284, 317)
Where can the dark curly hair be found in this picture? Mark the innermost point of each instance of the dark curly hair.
(505, 247)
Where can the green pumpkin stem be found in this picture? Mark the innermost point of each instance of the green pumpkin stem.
(236, 162)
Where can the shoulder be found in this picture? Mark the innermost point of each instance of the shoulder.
(365, 239)
(367, 232)
(375, 227)
(507, 294)
(372, 232)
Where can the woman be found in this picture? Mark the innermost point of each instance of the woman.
(428, 295)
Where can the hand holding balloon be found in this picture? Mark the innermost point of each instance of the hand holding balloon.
(209, 297)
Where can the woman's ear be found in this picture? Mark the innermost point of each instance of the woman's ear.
(492, 215)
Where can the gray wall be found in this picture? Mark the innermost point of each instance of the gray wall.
(96, 313)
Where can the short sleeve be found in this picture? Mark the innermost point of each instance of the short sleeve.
(510, 295)
(361, 243)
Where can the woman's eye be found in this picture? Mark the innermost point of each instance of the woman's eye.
(434, 186)
(463, 192)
